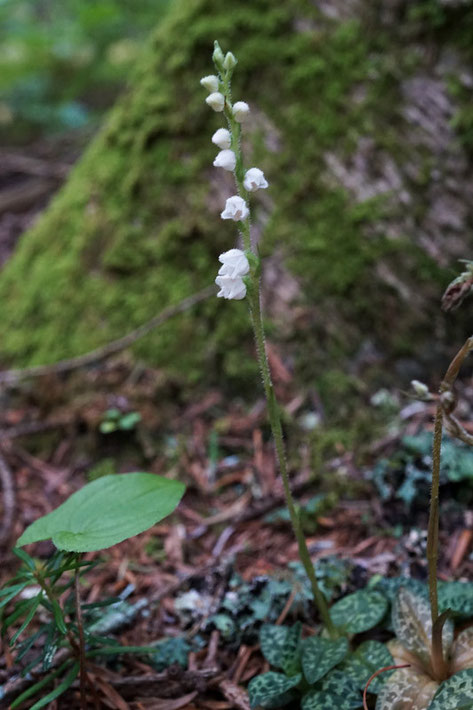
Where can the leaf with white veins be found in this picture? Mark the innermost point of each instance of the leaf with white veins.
(407, 689)
(412, 623)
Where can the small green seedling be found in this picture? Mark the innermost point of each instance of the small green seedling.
(115, 420)
(103, 513)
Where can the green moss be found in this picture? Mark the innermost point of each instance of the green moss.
(136, 227)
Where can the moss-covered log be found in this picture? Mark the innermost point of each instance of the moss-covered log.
(359, 125)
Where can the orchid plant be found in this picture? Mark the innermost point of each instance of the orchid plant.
(327, 671)
(239, 275)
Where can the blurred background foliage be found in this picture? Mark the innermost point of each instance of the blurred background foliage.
(62, 63)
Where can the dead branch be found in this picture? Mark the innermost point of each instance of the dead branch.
(11, 377)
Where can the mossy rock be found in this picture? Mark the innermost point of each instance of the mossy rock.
(137, 228)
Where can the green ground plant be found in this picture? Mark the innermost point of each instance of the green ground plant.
(101, 514)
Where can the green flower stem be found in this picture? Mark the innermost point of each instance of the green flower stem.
(275, 421)
(258, 330)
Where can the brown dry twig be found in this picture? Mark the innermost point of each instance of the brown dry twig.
(11, 377)
(375, 675)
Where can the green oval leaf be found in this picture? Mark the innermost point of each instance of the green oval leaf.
(360, 611)
(458, 597)
(456, 693)
(369, 657)
(320, 655)
(107, 511)
(335, 688)
(269, 689)
(320, 700)
(280, 646)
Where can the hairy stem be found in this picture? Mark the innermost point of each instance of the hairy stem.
(440, 665)
(275, 421)
(433, 529)
(258, 330)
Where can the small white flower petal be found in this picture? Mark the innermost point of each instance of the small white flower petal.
(216, 101)
(234, 264)
(222, 138)
(231, 288)
(210, 82)
(241, 111)
(226, 159)
(235, 208)
(255, 180)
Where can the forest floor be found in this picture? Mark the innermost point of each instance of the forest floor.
(223, 564)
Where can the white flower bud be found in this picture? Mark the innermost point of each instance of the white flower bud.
(210, 82)
(421, 391)
(216, 101)
(235, 264)
(217, 55)
(226, 159)
(235, 208)
(241, 111)
(231, 288)
(255, 180)
(230, 61)
(222, 138)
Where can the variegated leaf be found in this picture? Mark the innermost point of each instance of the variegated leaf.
(368, 658)
(280, 646)
(458, 597)
(462, 651)
(406, 689)
(359, 611)
(337, 683)
(270, 689)
(456, 693)
(320, 655)
(320, 700)
(412, 623)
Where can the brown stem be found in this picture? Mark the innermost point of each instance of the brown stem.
(445, 407)
(433, 528)
(375, 675)
(440, 667)
(457, 362)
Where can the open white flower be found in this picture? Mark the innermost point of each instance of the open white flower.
(226, 159)
(210, 82)
(231, 288)
(216, 101)
(241, 111)
(255, 180)
(235, 208)
(222, 138)
(234, 264)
